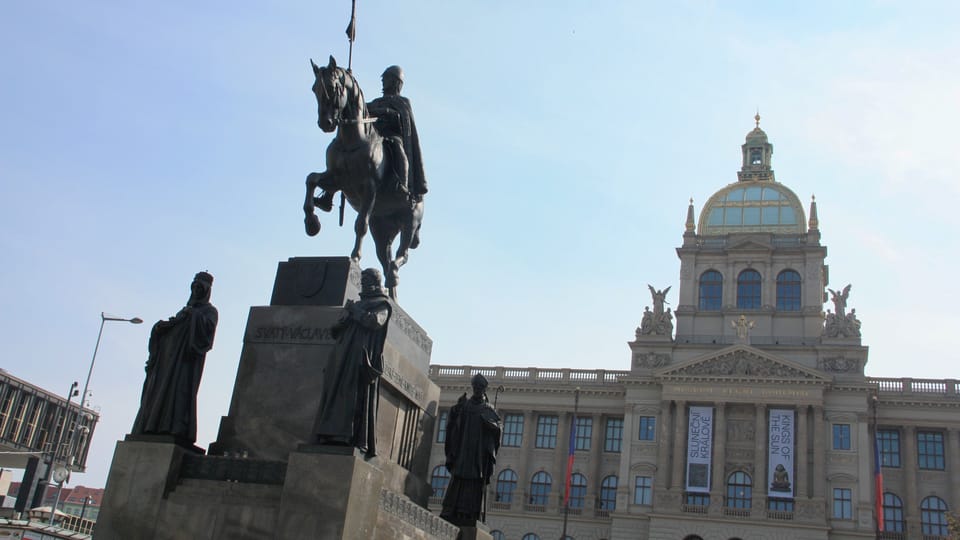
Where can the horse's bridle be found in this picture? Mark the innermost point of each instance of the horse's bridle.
(340, 89)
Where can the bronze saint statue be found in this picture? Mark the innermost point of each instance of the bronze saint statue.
(178, 347)
(351, 385)
(381, 174)
(473, 439)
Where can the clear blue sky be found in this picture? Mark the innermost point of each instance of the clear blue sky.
(144, 141)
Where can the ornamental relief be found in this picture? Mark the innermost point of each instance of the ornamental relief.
(666, 499)
(931, 478)
(741, 430)
(734, 466)
(740, 454)
(840, 364)
(841, 459)
(742, 363)
(644, 450)
(650, 360)
(811, 510)
(740, 410)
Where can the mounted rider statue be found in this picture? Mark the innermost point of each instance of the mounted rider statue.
(401, 144)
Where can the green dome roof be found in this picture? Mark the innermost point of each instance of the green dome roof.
(762, 206)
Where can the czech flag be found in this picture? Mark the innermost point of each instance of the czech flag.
(573, 440)
(878, 484)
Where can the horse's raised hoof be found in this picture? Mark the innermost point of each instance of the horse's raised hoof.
(312, 224)
(323, 203)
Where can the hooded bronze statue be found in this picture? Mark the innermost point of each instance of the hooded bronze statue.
(178, 348)
(473, 439)
(351, 385)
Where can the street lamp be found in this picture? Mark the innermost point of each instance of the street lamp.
(103, 319)
(59, 475)
(86, 385)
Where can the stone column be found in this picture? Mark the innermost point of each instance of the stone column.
(527, 444)
(953, 450)
(679, 445)
(626, 457)
(911, 504)
(760, 458)
(662, 478)
(819, 454)
(559, 471)
(801, 453)
(718, 467)
(595, 459)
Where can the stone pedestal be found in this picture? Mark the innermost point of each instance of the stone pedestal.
(262, 478)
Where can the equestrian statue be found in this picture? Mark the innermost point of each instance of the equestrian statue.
(374, 161)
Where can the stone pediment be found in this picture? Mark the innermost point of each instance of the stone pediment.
(741, 362)
(750, 243)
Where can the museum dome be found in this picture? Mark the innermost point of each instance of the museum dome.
(756, 202)
(752, 206)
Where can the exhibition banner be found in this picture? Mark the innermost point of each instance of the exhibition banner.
(780, 454)
(699, 448)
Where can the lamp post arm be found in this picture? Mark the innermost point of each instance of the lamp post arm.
(86, 385)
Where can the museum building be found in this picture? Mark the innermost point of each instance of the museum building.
(753, 419)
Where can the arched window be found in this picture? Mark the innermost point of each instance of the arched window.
(933, 516)
(439, 480)
(711, 290)
(692, 537)
(788, 291)
(530, 536)
(608, 494)
(497, 535)
(578, 490)
(506, 485)
(892, 513)
(540, 488)
(748, 290)
(739, 490)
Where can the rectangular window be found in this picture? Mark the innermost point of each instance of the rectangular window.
(512, 430)
(930, 450)
(643, 490)
(841, 436)
(780, 505)
(889, 441)
(547, 431)
(698, 499)
(584, 433)
(613, 439)
(648, 428)
(842, 503)
(442, 427)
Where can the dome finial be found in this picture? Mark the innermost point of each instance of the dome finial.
(757, 117)
(814, 222)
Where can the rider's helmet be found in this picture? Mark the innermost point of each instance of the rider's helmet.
(393, 71)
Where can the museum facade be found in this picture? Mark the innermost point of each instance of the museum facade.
(751, 419)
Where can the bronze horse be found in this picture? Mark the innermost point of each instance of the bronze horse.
(356, 167)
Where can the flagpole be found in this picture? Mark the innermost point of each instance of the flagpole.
(351, 35)
(572, 445)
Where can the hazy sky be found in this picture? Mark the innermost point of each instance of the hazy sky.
(141, 142)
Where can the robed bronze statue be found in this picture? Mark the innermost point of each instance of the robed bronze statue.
(351, 385)
(178, 347)
(473, 439)
(374, 160)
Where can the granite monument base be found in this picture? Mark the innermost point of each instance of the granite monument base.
(263, 478)
(160, 491)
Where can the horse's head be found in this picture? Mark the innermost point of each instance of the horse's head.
(331, 89)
